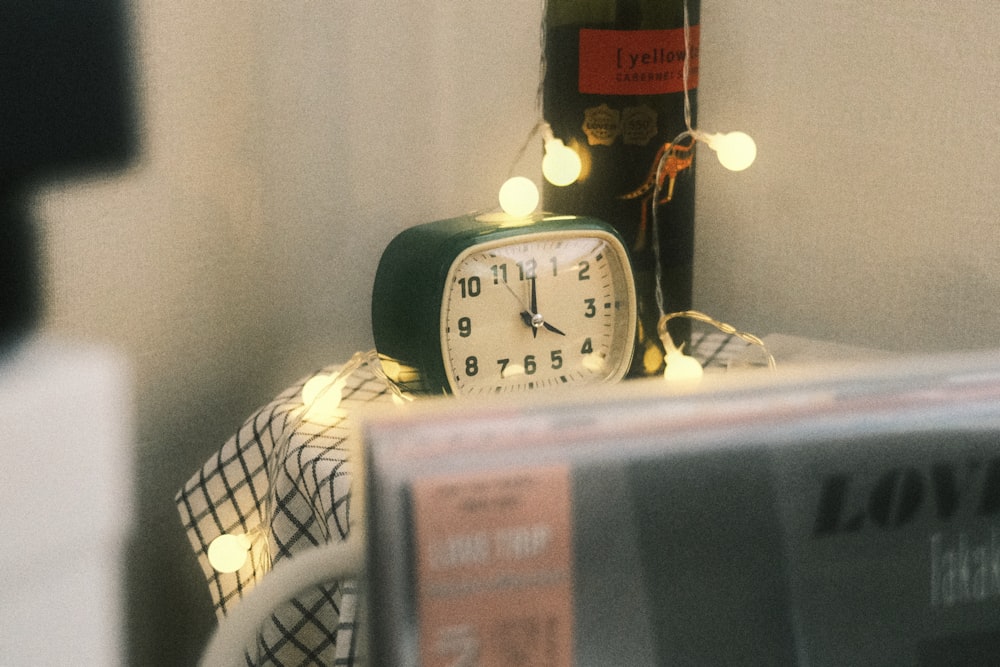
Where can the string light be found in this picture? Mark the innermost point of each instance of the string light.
(229, 553)
(519, 197)
(322, 393)
(736, 150)
(561, 165)
(681, 367)
(321, 396)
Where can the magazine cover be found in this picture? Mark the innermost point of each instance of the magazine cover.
(841, 516)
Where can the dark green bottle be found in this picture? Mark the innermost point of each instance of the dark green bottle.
(613, 90)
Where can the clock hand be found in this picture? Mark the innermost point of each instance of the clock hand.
(553, 329)
(536, 319)
(526, 315)
(530, 316)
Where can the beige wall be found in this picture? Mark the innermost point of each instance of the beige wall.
(283, 144)
(870, 216)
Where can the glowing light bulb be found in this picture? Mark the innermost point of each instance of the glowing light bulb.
(228, 553)
(736, 150)
(561, 165)
(322, 393)
(518, 196)
(681, 367)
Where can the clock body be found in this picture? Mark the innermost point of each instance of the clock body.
(480, 305)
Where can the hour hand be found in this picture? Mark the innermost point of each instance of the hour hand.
(536, 321)
(553, 329)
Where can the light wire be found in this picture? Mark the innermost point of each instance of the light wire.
(693, 134)
(277, 457)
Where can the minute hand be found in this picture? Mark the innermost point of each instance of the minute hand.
(536, 318)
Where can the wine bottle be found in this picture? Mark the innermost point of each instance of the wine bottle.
(613, 90)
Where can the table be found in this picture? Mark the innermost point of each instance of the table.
(308, 504)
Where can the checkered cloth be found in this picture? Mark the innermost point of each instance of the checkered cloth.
(311, 505)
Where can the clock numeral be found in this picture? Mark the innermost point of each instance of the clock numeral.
(588, 347)
(499, 273)
(591, 310)
(526, 269)
(471, 366)
(464, 327)
(555, 266)
(584, 273)
(471, 286)
(529, 365)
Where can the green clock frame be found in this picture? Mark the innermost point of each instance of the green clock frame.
(409, 287)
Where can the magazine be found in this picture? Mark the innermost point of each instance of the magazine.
(831, 516)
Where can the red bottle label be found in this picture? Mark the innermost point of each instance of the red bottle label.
(636, 62)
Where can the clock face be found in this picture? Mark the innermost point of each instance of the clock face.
(540, 310)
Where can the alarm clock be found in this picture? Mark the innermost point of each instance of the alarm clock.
(486, 304)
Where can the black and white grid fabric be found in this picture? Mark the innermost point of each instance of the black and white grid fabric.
(311, 505)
